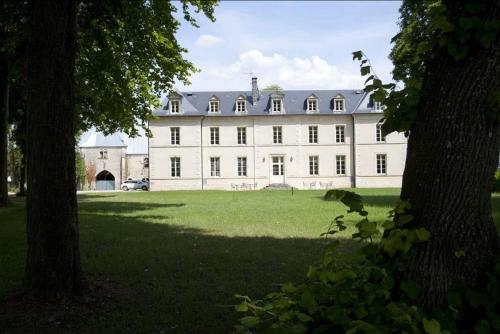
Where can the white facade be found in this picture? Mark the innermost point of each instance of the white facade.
(359, 151)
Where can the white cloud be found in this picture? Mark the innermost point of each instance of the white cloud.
(209, 40)
(290, 73)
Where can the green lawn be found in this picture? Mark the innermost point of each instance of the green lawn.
(179, 257)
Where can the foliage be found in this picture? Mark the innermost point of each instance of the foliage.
(428, 29)
(128, 55)
(90, 174)
(273, 88)
(369, 295)
(496, 182)
(80, 169)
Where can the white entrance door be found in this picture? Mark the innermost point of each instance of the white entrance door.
(277, 169)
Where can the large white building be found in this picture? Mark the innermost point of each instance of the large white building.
(249, 140)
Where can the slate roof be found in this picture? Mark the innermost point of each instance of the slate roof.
(294, 102)
(136, 145)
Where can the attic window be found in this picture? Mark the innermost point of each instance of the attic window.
(213, 105)
(338, 104)
(277, 106)
(103, 154)
(241, 105)
(312, 104)
(378, 106)
(175, 106)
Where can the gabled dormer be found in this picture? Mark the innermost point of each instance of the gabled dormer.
(213, 105)
(277, 105)
(174, 103)
(240, 105)
(312, 104)
(338, 103)
(378, 106)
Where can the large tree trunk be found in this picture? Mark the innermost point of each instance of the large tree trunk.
(4, 117)
(452, 155)
(22, 171)
(53, 261)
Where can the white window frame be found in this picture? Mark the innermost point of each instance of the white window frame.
(175, 166)
(241, 166)
(213, 106)
(214, 135)
(241, 102)
(277, 134)
(312, 100)
(381, 163)
(275, 106)
(314, 165)
(215, 166)
(335, 108)
(241, 134)
(175, 135)
(378, 106)
(175, 106)
(340, 139)
(340, 164)
(379, 134)
(103, 154)
(313, 134)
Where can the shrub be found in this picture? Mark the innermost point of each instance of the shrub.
(369, 294)
(496, 182)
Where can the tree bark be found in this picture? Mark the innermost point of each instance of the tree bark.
(53, 261)
(4, 126)
(452, 155)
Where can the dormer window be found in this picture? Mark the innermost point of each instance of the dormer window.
(175, 106)
(338, 103)
(378, 106)
(241, 106)
(312, 104)
(213, 105)
(277, 105)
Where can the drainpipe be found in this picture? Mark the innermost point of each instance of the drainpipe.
(353, 158)
(201, 151)
(254, 157)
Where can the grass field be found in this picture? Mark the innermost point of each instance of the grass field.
(178, 258)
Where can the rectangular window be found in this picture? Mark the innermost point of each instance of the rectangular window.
(175, 136)
(214, 106)
(242, 166)
(380, 135)
(242, 136)
(340, 133)
(214, 166)
(378, 105)
(103, 154)
(313, 165)
(214, 136)
(381, 164)
(240, 106)
(175, 167)
(174, 107)
(313, 134)
(338, 105)
(312, 105)
(340, 159)
(276, 105)
(277, 135)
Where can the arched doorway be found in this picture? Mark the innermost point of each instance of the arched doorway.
(105, 181)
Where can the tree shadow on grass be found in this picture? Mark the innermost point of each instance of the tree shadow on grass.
(189, 274)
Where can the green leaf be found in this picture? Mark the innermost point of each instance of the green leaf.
(304, 317)
(459, 254)
(357, 55)
(483, 327)
(405, 219)
(431, 326)
(250, 321)
(365, 70)
(243, 307)
(410, 288)
(422, 234)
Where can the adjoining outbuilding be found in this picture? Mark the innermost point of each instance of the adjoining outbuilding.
(112, 159)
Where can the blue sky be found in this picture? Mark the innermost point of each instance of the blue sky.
(298, 45)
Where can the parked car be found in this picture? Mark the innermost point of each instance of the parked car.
(134, 185)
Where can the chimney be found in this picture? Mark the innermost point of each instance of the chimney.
(255, 91)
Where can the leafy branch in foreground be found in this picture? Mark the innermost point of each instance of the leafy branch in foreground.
(369, 294)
